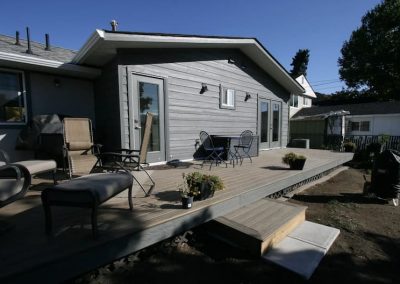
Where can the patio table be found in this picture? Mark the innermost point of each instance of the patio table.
(228, 138)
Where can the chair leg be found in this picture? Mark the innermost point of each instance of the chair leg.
(54, 177)
(130, 197)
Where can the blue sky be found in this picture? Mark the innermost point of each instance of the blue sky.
(282, 26)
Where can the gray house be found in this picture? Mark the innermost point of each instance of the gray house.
(222, 85)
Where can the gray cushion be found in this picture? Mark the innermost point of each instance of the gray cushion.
(90, 188)
(38, 166)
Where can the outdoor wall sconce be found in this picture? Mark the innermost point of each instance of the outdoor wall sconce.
(204, 88)
(248, 97)
(57, 83)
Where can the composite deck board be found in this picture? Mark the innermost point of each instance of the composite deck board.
(28, 252)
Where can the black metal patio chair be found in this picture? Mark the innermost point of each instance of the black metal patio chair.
(213, 154)
(246, 139)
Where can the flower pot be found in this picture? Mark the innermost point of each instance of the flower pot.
(297, 164)
(206, 191)
(187, 202)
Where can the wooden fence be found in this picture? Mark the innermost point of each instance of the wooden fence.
(362, 141)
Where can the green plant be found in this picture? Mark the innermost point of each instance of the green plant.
(349, 146)
(192, 183)
(291, 157)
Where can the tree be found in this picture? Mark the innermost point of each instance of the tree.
(370, 59)
(300, 63)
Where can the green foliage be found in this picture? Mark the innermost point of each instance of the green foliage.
(192, 183)
(371, 57)
(291, 157)
(300, 63)
(349, 146)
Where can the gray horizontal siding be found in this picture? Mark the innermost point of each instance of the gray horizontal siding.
(188, 111)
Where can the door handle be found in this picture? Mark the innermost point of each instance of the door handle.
(138, 127)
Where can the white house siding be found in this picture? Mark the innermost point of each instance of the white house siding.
(189, 112)
(294, 110)
(388, 124)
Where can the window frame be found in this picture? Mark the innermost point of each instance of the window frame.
(359, 123)
(22, 73)
(222, 92)
(292, 101)
(363, 122)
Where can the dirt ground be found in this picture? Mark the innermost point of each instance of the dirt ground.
(366, 251)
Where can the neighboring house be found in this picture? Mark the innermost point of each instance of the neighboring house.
(304, 100)
(222, 85)
(364, 119)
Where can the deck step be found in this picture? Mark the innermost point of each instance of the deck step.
(302, 250)
(258, 226)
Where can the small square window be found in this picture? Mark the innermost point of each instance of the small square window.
(227, 98)
(12, 98)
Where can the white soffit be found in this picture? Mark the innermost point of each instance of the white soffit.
(102, 46)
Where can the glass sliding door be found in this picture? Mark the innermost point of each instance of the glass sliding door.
(269, 123)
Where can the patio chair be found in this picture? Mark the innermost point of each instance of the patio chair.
(213, 154)
(79, 147)
(132, 159)
(31, 167)
(246, 139)
(14, 183)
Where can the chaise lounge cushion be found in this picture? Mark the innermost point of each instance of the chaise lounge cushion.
(38, 166)
(95, 188)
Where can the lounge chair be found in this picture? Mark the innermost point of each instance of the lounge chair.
(132, 159)
(14, 183)
(80, 150)
(32, 167)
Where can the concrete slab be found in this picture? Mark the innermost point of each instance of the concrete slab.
(315, 234)
(302, 250)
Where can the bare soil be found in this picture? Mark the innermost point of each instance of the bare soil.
(366, 251)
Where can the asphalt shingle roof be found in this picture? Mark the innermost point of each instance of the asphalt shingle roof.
(354, 109)
(7, 44)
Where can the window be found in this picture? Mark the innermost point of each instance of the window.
(355, 126)
(294, 101)
(359, 126)
(12, 97)
(227, 98)
(364, 126)
(306, 101)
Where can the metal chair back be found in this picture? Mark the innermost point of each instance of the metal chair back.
(206, 141)
(246, 138)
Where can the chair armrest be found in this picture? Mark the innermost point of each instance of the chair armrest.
(4, 157)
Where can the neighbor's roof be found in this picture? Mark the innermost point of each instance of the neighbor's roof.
(389, 107)
(102, 46)
(57, 60)
(307, 87)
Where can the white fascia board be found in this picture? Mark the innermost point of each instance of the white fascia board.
(52, 64)
(88, 46)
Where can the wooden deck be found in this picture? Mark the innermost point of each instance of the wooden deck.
(27, 254)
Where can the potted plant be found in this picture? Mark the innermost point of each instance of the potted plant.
(296, 162)
(202, 186)
(187, 194)
(349, 146)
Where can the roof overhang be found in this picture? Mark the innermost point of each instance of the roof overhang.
(49, 66)
(102, 46)
(322, 116)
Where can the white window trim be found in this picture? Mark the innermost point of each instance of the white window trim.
(222, 93)
(23, 94)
